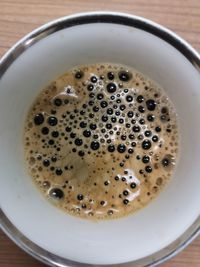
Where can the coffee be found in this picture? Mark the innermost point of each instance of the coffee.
(101, 141)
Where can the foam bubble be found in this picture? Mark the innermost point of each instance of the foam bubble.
(103, 139)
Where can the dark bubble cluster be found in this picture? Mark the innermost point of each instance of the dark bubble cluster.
(100, 115)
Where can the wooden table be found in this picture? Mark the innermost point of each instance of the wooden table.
(18, 17)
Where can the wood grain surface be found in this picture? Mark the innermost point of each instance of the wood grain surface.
(19, 17)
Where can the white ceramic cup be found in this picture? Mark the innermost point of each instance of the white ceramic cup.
(46, 232)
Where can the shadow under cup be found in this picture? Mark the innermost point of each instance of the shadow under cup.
(52, 50)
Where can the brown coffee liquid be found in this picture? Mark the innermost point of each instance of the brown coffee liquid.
(101, 141)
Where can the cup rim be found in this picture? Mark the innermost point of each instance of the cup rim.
(80, 19)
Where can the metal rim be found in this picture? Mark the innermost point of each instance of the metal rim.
(84, 18)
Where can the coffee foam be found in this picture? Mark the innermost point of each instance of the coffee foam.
(101, 141)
